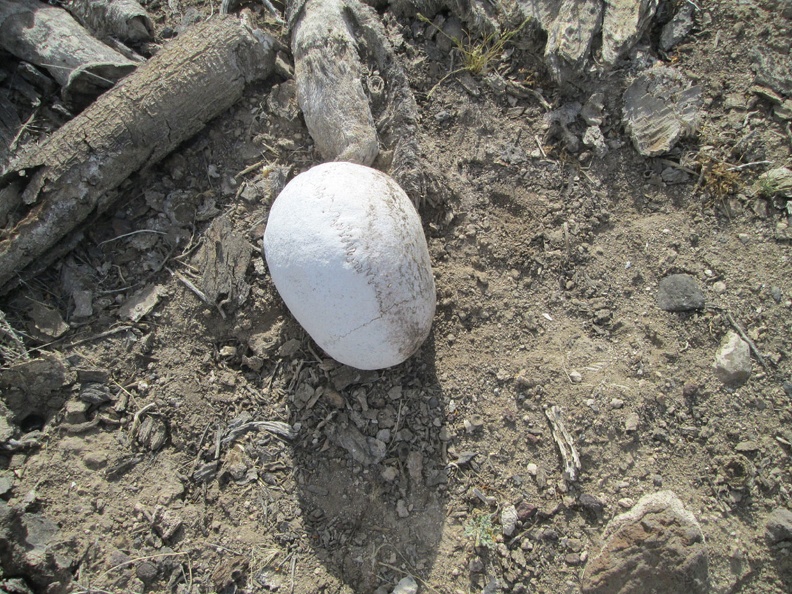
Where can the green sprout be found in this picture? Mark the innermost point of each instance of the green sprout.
(480, 528)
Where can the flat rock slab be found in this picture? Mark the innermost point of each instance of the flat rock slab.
(657, 547)
(679, 292)
(778, 526)
(733, 360)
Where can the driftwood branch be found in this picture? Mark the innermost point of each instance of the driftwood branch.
(131, 127)
(49, 37)
(123, 19)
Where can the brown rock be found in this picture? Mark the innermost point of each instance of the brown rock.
(655, 548)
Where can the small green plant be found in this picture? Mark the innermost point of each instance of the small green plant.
(767, 186)
(476, 55)
(479, 527)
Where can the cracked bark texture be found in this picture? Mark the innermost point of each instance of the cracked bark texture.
(354, 94)
(131, 127)
(49, 37)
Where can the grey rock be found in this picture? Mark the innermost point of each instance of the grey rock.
(407, 585)
(364, 450)
(658, 543)
(146, 572)
(733, 360)
(677, 28)
(775, 182)
(679, 292)
(594, 139)
(591, 503)
(772, 70)
(778, 526)
(623, 23)
(6, 484)
(660, 107)
(593, 108)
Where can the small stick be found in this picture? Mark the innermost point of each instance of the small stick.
(132, 233)
(293, 570)
(24, 127)
(752, 164)
(192, 287)
(676, 165)
(247, 170)
(539, 144)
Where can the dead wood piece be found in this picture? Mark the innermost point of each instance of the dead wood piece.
(49, 37)
(166, 101)
(660, 107)
(124, 19)
(570, 36)
(623, 24)
(566, 446)
(347, 119)
(329, 88)
(224, 258)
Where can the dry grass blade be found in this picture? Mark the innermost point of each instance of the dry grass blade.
(476, 55)
(12, 347)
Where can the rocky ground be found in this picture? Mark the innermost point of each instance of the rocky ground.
(603, 404)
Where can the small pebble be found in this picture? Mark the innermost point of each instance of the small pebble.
(575, 377)
(679, 292)
(719, 287)
(407, 585)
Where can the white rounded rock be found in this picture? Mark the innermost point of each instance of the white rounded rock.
(347, 253)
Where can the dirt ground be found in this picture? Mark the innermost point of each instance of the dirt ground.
(547, 261)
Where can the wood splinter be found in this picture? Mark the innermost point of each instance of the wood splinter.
(564, 442)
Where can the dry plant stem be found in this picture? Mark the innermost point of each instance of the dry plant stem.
(566, 445)
(198, 76)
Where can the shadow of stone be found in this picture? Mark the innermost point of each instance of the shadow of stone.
(371, 473)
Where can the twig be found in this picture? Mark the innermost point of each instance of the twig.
(539, 144)
(745, 165)
(130, 234)
(24, 127)
(192, 287)
(247, 170)
(293, 570)
(104, 334)
(136, 559)
(670, 163)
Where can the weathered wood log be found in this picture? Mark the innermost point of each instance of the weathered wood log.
(328, 73)
(126, 20)
(50, 37)
(134, 125)
(337, 46)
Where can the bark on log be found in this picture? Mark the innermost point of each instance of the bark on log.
(123, 19)
(337, 44)
(50, 37)
(328, 73)
(131, 127)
